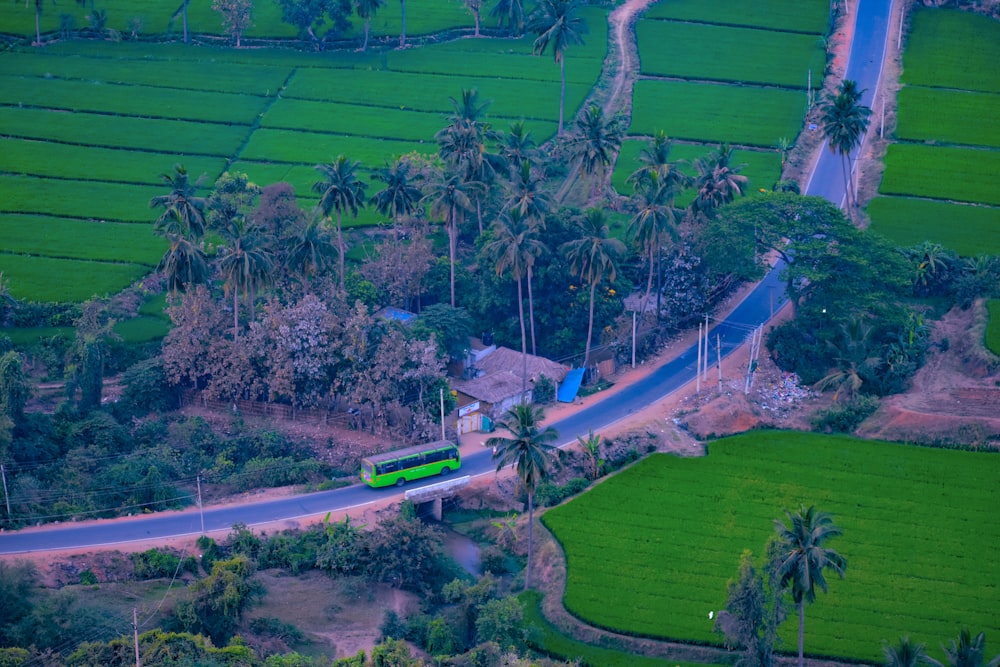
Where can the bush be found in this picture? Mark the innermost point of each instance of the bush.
(547, 495)
(544, 391)
(154, 564)
(847, 417)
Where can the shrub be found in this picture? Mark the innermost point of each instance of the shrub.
(847, 417)
(154, 564)
(548, 494)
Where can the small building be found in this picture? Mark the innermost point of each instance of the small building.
(496, 381)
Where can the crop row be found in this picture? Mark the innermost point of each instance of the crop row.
(312, 148)
(937, 172)
(790, 15)
(763, 168)
(422, 17)
(921, 569)
(81, 239)
(968, 230)
(66, 280)
(743, 55)
(18, 156)
(95, 200)
(122, 131)
(712, 113)
(972, 118)
(131, 100)
(208, 76)
(952, 49)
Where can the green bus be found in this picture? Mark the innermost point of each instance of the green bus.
(406, 465)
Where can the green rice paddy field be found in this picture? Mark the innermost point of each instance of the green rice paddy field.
(89, 127)
(919, 531)
(993, 326)
(947, 137)
(724, 72)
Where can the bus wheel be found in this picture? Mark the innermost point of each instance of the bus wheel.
(400, 482)
(445, 470)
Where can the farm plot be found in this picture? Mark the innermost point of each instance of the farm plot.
(114, 202)
(18, 156)
(993, 326)
(943, 116)
(918, 529)
(968, 230)
(214, 77)
(88, 129)
(741, 55)
(313, 148)
(941, 173)
(368, 121)
(130, 100)
(80, 239)
(713, 113)
(948, 48)
(787, 15)
(763, 168)
(65, 280)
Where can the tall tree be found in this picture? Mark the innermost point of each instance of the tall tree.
(510, 16)
(845, 121)
(400, 196)
(557, 24)
(402, 29)
(310, 249)
(38, 19)
(968, 651)
(450, 199)
(753, 613)
(719, 181)
(245, 265)
(340, 192)
(528, 197)
(184, 263)
(654, 217)
(654, 158)
(183, 210)
(802, 558)
(475, 7)
(515, 244)
(237, 16)
(366, 10)
(310, 16)
(593, 256)
(530, 450)
(595, 144)
(517, 144)
(182, 11)
(906, 653)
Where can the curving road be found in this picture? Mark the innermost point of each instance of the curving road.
(864, 66)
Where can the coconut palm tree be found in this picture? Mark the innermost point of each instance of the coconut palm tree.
(557, 24)
(182, 11)
(517, 144)
(845, 121)
(245, 265)
(514, 247)
(510, 15)
(340, 192)
(311, 248)
(38, 20)
(595, 144)
(906, 654)
(654, 158)
(184, 263)
(366, 9)
(183, 211)
(593, 256)
(529, 449)
(802, 558)
(654, 217)
(528, 198)
(450, 198)
(400, 197)
(719, 181)
(852, 352)
(968, 651)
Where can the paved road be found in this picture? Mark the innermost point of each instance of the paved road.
(864, 66)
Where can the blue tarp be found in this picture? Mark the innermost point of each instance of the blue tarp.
(570, 385)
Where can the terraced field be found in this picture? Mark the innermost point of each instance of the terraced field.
(918, 533)
(87, 128)
(947, 137)
(725, 73)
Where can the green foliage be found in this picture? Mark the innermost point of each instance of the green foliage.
(154, 564)
(845, 417)
(993, 326)
(544, 390)
(501, 620)
(217, 602)
(633, 571)
(549, 495)
(17, 590)
(146, 389)
(968, 230)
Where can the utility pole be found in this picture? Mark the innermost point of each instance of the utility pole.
(6, 497)
(718, 356)
(201, 509)
(697, 372)
(442, 413)
(135, 633)
(633, 339)
(705, 358)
